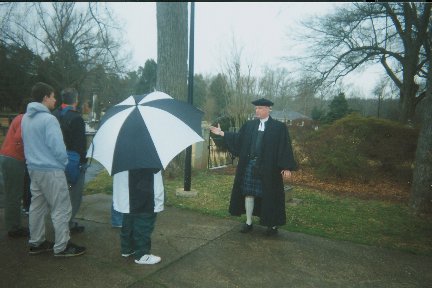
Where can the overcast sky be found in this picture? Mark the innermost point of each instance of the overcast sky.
(260, 29)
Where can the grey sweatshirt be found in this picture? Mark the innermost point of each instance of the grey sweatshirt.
(44, 148)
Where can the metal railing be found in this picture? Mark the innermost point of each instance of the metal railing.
(218, 157)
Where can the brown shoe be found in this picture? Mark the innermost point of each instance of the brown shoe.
(246, 228)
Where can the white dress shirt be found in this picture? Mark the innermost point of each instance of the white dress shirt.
(261, 126)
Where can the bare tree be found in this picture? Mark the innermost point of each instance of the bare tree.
(72, 38)
(362, 33)
(241, 86)
(274, 84)
(380, 92)
(398, 36)
(305, 90)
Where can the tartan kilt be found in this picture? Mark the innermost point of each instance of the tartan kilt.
(252, 186)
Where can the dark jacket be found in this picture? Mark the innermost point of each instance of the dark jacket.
(276, 155)
(73, 129)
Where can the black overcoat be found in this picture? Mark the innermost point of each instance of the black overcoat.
(276, 155)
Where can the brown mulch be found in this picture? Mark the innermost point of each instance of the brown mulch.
(382, 189)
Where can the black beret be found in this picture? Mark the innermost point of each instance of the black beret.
(262, 102)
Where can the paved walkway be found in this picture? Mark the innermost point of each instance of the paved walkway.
(203, 251)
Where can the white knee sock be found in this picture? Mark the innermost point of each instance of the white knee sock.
(249, 205)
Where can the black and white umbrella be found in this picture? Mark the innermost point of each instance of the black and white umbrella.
(145, 131)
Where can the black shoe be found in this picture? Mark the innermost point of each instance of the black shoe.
(246, 228)
(71, 250)
(45, 246)
(19, 232)
(271, 231)
(76, 228)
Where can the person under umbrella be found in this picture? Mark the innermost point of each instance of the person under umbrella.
(139, 195)
(137, 138)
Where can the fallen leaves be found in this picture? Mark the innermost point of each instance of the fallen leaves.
(382, 189)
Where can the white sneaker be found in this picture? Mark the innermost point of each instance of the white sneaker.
(148, 259)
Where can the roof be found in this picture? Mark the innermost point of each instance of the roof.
(288, 115)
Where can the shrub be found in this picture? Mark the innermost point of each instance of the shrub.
(359, 147)
(389, 143)
(342, 161)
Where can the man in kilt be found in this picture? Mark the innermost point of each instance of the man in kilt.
(265, 154)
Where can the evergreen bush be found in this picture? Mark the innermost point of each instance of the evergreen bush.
(360, 148)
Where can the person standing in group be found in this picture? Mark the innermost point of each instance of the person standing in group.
(139, 195)
(46, 159)
(12, 167)
(266, 158)
(73, 129)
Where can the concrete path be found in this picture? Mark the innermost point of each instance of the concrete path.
(203, 251)
(93, 169)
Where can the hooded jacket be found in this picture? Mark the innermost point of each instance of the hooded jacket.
(44, 148)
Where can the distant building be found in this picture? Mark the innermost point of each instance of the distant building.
(291, 118)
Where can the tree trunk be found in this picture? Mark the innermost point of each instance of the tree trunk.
(172, 57)
(172, 45)
(409, 89)
(407, 103)
(421, 189)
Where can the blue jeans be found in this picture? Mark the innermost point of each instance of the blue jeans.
(75, 194)
(116, 217)
(135, 235)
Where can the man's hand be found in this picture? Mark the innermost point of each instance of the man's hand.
(286, 174)
(216, 130)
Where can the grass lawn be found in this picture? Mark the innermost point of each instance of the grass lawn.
(370, 222)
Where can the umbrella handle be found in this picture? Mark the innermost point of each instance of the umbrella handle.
(91, 157)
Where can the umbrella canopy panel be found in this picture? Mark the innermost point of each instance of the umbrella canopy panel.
(145, 131)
